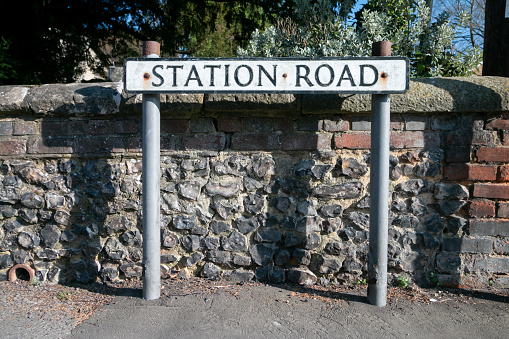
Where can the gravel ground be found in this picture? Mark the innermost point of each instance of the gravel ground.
(53, 311)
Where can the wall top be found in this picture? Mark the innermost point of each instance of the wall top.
(426, 95)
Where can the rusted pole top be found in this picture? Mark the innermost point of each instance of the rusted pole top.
(381, 48)
(151, 47)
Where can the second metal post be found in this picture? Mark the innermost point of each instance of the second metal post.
(150, 194)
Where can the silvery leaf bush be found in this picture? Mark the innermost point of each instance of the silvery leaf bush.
(314, 31)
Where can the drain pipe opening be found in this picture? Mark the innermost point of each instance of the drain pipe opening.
(21, 272)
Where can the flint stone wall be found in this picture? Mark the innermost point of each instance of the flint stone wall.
(267, 187)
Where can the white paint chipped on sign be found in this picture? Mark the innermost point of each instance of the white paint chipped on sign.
(382, 75)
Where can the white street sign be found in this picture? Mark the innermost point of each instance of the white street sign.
(374, 75)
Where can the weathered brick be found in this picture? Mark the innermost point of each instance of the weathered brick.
(307, 141)
(13, 147)
(499, 123)
(467, 245)
(257, 125)
(338, 125)
(6, 128)
(361, 124)
(492, 265)
(481, 209)
(444, 124)
(229, 125)
(127, 127)
(489, 227)
(168, 143)
(481, 137)
(413, 123)
(417, 139)
(53, 127)
(99, 145)
(212, 142)
(502, 246)
(458, 137)
(77, 127)
(503, 210)
(470, 172)
(47, 145)
(174, 126)
(352, 140)
(505, 138)
(491, 191)
(284, 125)
(457, 154)
(98, 127)
(25, 128)
(311, 124)
(202, 125)
(503, 173)
(397, 123)
(498, 154)
(134, 144)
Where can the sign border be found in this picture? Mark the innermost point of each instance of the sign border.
(385, 58)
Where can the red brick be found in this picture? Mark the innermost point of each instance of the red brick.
(503, 173)
(77, 127)
(500, 124)
(255, 141)
(45, 145)
(503, 209)
(470, 172)
(492, 191)
(415, 139)
(175, 126)
(229, 125)
(56, 128)
(210, 142)
(25, 128)
(13, 147)
(134, 144)
(498, 154)
(352, 140)
(306, 141)
(482, 209)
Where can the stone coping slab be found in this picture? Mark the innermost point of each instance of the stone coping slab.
(426, 95)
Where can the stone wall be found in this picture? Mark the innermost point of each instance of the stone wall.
(267, 187)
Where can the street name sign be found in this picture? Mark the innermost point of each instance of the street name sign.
(373, 75)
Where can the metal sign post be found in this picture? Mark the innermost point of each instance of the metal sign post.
(379, 190)
(380, 75)
(151, 175)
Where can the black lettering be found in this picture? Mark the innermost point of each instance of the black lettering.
(305, 76)
(226, 75)
(212, 67)
(159, 76)
(362, 82)
(236, 76)
(271, 79)
(196, 77)
(174, 73)
(348, 77)
(317, 75)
